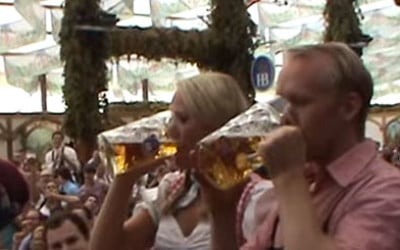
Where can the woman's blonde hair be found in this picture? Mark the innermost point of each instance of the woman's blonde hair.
(212, 97)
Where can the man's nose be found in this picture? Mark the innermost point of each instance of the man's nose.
(65, 247)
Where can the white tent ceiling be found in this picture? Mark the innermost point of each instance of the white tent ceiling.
(28, 44)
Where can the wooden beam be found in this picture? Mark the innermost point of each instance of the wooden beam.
(145, 90)
(43, 91)
(7, 3)
(2, 128)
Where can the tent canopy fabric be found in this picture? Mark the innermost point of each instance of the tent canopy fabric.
(28, 44)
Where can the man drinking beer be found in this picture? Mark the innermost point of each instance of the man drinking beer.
(354, 202)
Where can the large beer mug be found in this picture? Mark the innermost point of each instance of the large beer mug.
(137, 142)
(228, 156)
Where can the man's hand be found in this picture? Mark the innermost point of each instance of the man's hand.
(17, 239)
(283, 151)
(49, 194)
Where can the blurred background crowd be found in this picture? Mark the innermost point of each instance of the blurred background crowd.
(61, 186)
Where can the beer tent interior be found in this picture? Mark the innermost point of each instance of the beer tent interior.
(31, 79)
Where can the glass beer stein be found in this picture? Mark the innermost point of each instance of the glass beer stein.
(228, 156)
(135, 143)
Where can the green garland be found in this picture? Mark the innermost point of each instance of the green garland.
(343, 21)
(227, 46)
(232, 38)
(158, 43)
(84, 54)
(342, 17)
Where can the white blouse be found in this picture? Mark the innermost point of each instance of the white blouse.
(169, 234)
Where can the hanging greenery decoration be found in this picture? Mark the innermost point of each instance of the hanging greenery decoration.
(233, 35)
(84, 54)
(227, 46)
(343, 24)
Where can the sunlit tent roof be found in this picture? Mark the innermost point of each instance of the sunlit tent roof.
(29, 34)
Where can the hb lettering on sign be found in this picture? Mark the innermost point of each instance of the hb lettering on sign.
(262, 73)
(262, 80)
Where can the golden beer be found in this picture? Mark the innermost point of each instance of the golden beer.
(229, 161)
(135, 143)
(228, 156)
(126, 155)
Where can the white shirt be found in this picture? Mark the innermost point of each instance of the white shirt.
(52, 157)
(169, 235)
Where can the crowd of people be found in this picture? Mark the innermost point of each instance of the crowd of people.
(326, 187)
(63, 187)
(391, 153)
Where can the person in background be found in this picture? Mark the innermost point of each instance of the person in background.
(66, 231)
(101, 175)
(31, 220)
(95, 159)
(86, 214)
(32, 176)
(37, 242)
(49, 204)
(395, 159)
(45, 177)
(61, 156)
(68, 193)
(92, 187)
(14, 195)
(64, 179)
(19, 158)
(387, 153)
(92, 204)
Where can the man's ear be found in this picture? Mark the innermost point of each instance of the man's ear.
(351, 106)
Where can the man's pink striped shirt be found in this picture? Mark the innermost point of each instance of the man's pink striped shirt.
(357, 203)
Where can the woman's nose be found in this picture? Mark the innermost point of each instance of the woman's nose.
(172, 131)
(288, 116)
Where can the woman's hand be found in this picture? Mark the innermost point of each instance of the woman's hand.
(222, 206)
(217, 200)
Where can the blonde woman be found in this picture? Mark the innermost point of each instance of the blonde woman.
(178, 219)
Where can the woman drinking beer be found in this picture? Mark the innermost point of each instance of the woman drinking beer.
(178, 219)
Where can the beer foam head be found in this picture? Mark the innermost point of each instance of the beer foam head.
(258, 120)
(139, 131)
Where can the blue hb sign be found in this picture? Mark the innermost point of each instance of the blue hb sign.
(262, 73)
